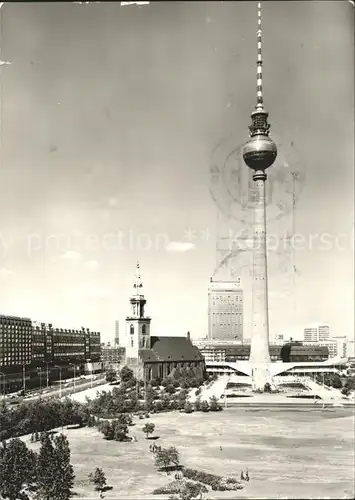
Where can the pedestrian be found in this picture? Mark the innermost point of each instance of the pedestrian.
(242, 476)
(247, 475)
(220, 448)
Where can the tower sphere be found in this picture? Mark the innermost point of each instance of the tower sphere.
(260, 152)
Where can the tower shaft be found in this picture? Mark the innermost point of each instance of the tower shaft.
(259, 349)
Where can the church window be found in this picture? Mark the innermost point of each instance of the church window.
(131, 329)
(132, 342)
(143, 329)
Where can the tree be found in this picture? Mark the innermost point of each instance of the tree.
(67, 412)
(55, 472)
(99, 479)
(120, 432)
(64, 474)
(336, 382)
(350, 383)
(17, 469)
(46, 468)
(148, 429)
(115, 429)
(126, 374)
(167, 456)
(111, 375)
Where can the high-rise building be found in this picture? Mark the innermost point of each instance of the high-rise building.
(225, 310)
(23, 342)
(310, 334)
(15, 341)
(350, 349)
(342, 345)
(117, 333)
(317, 332)
(111, 356)
(331, 344)
(259, 153)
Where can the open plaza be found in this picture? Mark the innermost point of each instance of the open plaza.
(299, 453)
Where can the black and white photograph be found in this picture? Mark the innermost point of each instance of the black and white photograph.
(177, 250)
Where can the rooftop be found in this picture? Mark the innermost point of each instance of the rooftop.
(176, 349)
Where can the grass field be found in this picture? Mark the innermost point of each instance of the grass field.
(289, 454)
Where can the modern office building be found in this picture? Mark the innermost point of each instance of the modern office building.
(27, 348)
(332, 346)
(342, 345)
(317, 332)
(15, 342)
(289, 352)
(225, 310)
(111, 356)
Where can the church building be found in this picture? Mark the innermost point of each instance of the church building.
(153, 357)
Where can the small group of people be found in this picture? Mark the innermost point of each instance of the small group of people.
(154, 448)
(244, 476)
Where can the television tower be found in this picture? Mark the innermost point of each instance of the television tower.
(259, 153)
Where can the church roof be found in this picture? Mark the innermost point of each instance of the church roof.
(176, 349)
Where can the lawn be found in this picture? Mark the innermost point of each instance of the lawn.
(289, 454)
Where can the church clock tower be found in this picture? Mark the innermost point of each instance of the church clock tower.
(138, 324)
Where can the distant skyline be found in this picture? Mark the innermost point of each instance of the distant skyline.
(109, 118)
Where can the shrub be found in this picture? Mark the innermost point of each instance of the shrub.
(114, 430)
(346, 391)
(217, 483)
(158, 406)
(153, 383)
(170, 389)
(214, 404)
(205, 406)
(188, 407)
(181, 487)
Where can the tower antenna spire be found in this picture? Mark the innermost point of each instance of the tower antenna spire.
(138, 281)
(259, 65)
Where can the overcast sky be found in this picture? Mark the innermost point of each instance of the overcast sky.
(110, 116)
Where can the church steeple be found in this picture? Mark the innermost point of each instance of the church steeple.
(137, 300)
(137, 323)
(138, 281)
